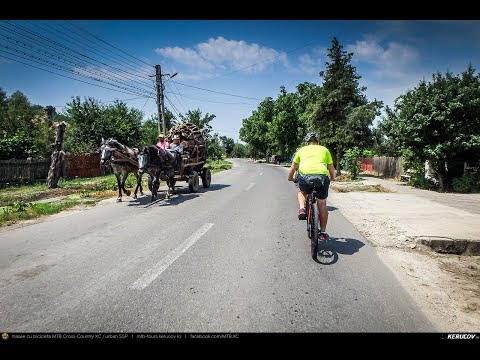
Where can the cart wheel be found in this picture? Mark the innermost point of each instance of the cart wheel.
(193, 182)
(206, 177)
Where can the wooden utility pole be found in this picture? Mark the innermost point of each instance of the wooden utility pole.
(160, 106)
(160, 98)
(57, 157)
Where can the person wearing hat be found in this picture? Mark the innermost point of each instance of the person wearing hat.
(176, 146)
(162, 143)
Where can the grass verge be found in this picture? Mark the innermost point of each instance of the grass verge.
(20, 202)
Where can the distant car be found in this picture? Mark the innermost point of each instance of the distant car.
(277, 159)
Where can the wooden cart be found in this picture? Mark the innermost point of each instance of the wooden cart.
(194, 155)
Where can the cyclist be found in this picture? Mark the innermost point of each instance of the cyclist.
(313, 160)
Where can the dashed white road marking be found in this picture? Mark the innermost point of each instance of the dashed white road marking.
(249, 186)
(163, 264)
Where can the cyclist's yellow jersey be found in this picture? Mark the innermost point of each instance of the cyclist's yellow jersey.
(313, 159)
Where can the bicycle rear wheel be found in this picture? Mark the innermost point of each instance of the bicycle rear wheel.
(309, 215)
(314, 231)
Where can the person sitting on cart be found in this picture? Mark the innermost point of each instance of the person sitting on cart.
(162, 143)
(176, 146)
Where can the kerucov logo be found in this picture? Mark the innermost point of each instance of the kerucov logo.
(461, 336)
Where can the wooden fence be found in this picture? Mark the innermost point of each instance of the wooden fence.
(390, 167)
(23, 170)
(13, 171)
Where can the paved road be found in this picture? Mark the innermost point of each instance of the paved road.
(229, 258)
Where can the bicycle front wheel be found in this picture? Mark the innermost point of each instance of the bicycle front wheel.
(314, 231)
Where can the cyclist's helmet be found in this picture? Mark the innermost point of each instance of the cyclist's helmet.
(312, 136)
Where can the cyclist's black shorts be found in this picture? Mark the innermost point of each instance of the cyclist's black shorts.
(304, 184)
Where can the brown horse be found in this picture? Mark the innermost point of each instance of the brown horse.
(120, 166)
(160, 164)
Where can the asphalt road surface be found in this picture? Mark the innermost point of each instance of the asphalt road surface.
(230, 258)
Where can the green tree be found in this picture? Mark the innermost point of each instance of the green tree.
(339, 116)
(351, 163)
(286, 127)
(439, 121)
(308, 95)
(19, 115)
(215, 150)
(239, 151)
(86, 128)
(23, 130)
(123, 123)
(227, 143)
(255, 129)
(3, 107)
(203, 122)
(90, 121)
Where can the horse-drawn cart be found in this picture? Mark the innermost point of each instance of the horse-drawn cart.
(162, 164)
(194, 155)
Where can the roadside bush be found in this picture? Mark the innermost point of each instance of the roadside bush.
(350, 162)
(465, 184)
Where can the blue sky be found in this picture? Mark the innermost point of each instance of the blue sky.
(250, 59)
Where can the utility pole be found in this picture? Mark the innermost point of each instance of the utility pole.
(161, 117)
(160, 98)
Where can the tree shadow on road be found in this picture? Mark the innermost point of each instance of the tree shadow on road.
(182, 194)
(328, 251)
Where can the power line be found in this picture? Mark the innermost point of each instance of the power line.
(96, 50)
(86, 82)
(144, 105)
(174, 94)
(216, 102)
(217, 92)
(73, 30)
(63, 53)
(63, 68)
(173, 107)
(88, 32)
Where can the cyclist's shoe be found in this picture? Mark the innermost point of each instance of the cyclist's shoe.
(302, 215)
(323, 236)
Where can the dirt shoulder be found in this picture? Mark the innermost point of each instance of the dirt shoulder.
(445, 286)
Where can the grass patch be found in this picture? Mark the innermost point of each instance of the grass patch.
(364, 188)
(219, 165)
(346, 178)
(26, 211)
(75, 189)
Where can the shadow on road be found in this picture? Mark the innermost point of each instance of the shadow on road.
(328, 251)
(331, 208)
(182, 194)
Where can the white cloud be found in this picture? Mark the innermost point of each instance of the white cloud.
(391, 61)
(310, 63)
(223, 54)
(185, 56)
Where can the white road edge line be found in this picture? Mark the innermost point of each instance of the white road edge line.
(163, 264)
(249, 186)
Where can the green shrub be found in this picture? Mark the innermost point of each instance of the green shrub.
(465, 184)
(350, 162)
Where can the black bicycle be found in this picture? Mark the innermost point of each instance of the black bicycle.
(312, 211)
(313, 230)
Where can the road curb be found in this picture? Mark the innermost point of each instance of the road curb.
(450, 246)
